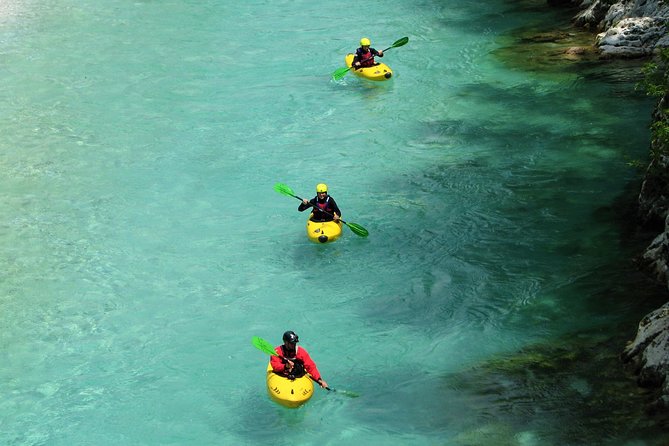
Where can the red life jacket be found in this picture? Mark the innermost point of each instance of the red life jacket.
(369, 62)
(323, 206)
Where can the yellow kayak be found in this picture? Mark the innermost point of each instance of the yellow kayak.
(323, 231)
(289, 393)
(379, 72)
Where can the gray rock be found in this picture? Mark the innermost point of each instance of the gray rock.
(654, 258)
(632, 37)
(649, 353)
(635, 9)
(630, 28)
(592, 14)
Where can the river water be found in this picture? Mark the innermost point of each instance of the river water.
(143, 245)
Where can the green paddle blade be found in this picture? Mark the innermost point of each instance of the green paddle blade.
(400, 42)
(340, 73)
(357, 229)
(283, 189)
(263, 346)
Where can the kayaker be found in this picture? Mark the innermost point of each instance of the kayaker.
(324, 206)
(293, 362)
(364, 56)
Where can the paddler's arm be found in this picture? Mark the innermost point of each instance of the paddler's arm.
(306, 204)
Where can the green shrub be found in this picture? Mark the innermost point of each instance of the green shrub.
(655, 75)
(656, 83)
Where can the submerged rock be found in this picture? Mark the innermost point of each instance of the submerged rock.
(578, 52)
(576, 381)
(546, 51)
(543, 37)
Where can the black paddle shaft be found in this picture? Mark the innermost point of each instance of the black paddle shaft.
(311, 205)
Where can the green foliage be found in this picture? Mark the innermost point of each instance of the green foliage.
(637, 164)
(659, 131)
(656, 76)
(656, 83)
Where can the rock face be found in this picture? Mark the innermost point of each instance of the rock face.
(632, 37)
(649, 354)
(629, 28)
(654, 195)
(650, 350)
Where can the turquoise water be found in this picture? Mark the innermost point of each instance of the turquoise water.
(143, 245)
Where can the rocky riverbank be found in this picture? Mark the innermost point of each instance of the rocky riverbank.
(634, 29)
(629, 28)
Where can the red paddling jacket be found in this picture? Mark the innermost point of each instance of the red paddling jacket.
(301, 355)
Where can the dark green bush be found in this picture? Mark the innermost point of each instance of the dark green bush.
(656, 83)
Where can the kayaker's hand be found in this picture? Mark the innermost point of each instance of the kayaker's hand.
(380, 53)
(357, 64)
(336, 217)
(289, 365)
(305, 201)
(322, 383)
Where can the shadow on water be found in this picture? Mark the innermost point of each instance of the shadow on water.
(515, 11)
(570, 388)
(261, 421)
(576, 379)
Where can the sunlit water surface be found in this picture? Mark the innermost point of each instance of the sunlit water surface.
(143, 244)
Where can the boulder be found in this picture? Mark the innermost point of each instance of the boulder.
(632, 37)
(648, 353)
(629, 28)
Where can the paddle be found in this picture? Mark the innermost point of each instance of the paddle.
(356, 228)
(341, 72)
(263, 346)
(268, 348)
